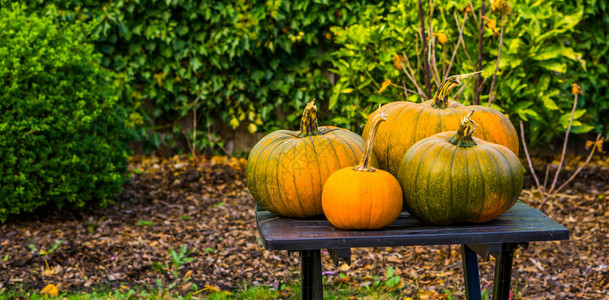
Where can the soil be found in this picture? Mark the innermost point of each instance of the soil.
(203, 205)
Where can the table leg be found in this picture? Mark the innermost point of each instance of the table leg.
(310, 274)
(503, 272)
(471, 273)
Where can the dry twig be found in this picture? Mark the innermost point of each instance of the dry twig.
(553, 192)
(490, 96)
(480, 40)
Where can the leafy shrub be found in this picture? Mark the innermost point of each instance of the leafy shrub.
(255, 64)
(252, 64)
(591, 42)
(537, 66)
(62, 142)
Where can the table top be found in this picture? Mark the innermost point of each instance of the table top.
(519, 224)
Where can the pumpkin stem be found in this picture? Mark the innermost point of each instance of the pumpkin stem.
(440, 99)
(463, 137)
(365, 166)
(308, 123)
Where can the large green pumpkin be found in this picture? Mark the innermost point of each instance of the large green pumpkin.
(286, 170)
(452, 177)
(409, 122)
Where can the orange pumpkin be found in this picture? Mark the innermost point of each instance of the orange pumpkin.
(409, 122)
(362, 197)
(286, 170)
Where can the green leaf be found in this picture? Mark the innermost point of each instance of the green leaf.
(489, 70)
(514, 46)
(389, 272)
(575, 56)
(581, 129)
(333, 101)
(554, 66)
(549, 103)
(564, 119)
(548, 53)
(380, 99)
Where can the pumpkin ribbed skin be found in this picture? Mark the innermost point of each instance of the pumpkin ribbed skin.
(285, 172)
(444, 183)
(354, 199)
(362, 197)
(409, 122)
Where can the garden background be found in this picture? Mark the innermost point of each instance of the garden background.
(148, 99)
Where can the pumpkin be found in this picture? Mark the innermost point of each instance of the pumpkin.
(286, 170)
(452, 177)
(362, 197)
(409, 122)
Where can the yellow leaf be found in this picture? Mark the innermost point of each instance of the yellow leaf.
(576, 89)
(442, 38)
(159, 78)
(491, 24)
(344, 268)
(385, 84)
(398, 61)
(251, 127)
(598, 144)
(210, 288)
(51, 290)
(501, 6)
(234, 123)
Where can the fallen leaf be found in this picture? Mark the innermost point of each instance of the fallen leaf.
(51, 290)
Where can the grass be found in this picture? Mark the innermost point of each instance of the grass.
(390, 287)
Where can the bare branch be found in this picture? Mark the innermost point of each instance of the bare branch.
(194, 133)
(473, 12)
(431, 47)
(412, 77)
(405, 89)
(526, 153)
(452, 59)
(564, 147)
(426, 70)
(480, 48)
(598, 138)
(193, 145)
(490, 95)
(545, 179)
(436, 75)
(443, 61)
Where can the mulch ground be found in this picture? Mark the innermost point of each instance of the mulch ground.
(205, 205)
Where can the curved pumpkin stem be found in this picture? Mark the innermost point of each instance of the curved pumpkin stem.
(308, 123)
(365, 164)
(440, 99)
(463, 137)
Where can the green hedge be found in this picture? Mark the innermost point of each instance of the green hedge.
(540, 60)
(257, 63)
(251, 63)
(62, 142)
(592, 40)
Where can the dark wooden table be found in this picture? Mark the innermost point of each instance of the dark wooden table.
(516, 227)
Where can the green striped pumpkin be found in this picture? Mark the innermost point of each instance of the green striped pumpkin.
(452, 177)
(286, 170)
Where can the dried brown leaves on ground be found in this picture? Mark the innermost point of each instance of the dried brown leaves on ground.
(204, 205)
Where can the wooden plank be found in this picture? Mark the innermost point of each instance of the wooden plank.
(519, 224)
